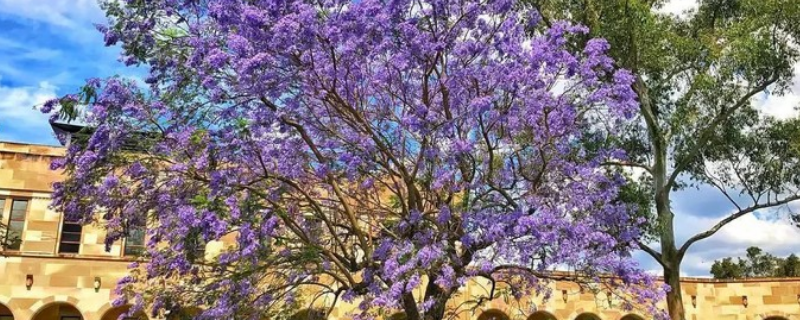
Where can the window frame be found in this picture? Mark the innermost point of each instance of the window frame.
(8, 207)
(142, 247)
(61, 241)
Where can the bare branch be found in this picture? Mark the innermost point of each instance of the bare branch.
(729, 219)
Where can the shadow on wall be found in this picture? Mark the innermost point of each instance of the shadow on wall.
(541, 315)
(5, 313)
(115, 313)
(58, 310)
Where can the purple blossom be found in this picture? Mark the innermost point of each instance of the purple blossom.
(351, 142)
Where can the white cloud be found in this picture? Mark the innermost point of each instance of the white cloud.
(19, 107)
(73, 17)
(769, 231)
(782, 106)
(65, 13)
(678, 7)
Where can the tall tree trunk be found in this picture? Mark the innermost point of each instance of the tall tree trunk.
(671, 257)
(674, 297)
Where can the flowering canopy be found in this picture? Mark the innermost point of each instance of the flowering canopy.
(358, 150)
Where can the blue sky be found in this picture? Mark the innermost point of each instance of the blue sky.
(49, 47)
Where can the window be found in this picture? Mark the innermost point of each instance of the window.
(15, 223)
(195, 247)
(134, 241)
(70, 236)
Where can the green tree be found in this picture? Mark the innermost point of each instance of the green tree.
(756, 264)
(790, 266)
(727, 269)
(697, 77)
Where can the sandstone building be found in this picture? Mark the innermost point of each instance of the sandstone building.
(59, 270)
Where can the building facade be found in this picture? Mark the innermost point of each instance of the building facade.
(52, 269)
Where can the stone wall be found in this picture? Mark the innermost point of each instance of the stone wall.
(63, 285)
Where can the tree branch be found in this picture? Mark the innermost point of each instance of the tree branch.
(629, 164)
(705, 135)
(652, 252)
(729, 219)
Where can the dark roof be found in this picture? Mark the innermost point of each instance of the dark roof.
(68, 133)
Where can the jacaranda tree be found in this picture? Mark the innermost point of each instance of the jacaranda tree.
(377, 152)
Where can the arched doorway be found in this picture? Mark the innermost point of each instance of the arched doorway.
(541, 315)
(308, 314)
(58, 311)
(5, 313)
(776, 318)
(115, 313)
(587, 316)
(631, 317)
(493, 314)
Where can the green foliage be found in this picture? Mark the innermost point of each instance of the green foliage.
(756, 264)
(698, 75)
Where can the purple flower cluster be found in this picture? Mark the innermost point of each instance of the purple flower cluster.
(384, 152)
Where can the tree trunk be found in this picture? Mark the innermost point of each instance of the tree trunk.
(410, 307)
(432, 293)
(439, 297)
(672, 278)
(671, 257)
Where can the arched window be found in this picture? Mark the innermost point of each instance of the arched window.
(631, 317)
(776, 318)
(493, 314)
(541, 315)
(587, 316)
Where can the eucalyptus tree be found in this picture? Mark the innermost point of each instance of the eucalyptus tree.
(698, 78)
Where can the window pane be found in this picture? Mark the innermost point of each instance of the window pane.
(19, 205)
(16, 226)
(134, 250)
(68, 248)
(71, 237)
(136, 237)
(18, 209)
(2, 207)
(71, 227)
(14, 235)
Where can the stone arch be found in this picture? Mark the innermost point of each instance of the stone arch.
(587, 316)
(5, 312)
(58, 310)
(632, 317)
(115, 312)
(308, 314)
(493, 314)
(541, 315)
